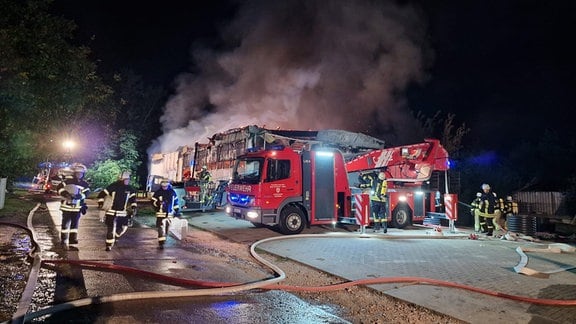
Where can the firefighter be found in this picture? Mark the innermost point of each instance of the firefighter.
(123, 207)
(204, 174)
(73, 191)
(165, 200)
(489, 208)
(205, 178)
(366, 180)
(479, 222)
(510, 208)
(378, 203)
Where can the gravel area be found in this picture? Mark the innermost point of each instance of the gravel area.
(14, 266)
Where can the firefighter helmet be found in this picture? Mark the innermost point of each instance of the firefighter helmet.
(164, 182)
(509, 198)
(79, 168)
(485, 186)
(478, 194)
(125, 175)
(204, 167)
(381, 175)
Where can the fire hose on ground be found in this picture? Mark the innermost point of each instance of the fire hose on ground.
(218, 288)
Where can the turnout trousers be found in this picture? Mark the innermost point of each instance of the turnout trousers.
(116, 226)
(379, 215)
(69, 227)
(163, 226)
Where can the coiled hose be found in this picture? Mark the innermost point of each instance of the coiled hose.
(219, 288)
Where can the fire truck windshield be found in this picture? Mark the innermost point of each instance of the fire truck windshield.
(247, 170)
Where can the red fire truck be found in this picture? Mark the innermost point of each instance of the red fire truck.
(290, 189)
(51, 174)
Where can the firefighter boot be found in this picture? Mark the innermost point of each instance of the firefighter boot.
(483, 226)
(64, 238)
(490, 227)
(73, 238)
(109, 244)
(384, 227)
(376, 226)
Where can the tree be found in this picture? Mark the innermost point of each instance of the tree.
(136, 106)
(442, 127)
(120, 156)
(46, 84)
(103, 173)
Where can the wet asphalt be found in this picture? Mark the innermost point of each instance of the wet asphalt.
(138, 298)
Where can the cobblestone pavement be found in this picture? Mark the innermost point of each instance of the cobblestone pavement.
(486, 263)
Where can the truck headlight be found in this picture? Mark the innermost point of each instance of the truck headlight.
(252, 214)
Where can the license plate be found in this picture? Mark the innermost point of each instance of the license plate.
(236, 210)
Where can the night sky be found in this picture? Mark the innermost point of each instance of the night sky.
(505, 68)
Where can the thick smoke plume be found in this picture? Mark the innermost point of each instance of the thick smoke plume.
(302, 64)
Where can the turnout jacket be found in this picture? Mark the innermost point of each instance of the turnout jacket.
(510, 207)
(204, 176)
(166, 202)
(73, 191)
(489, 204)
(476, 204)
(123, 198)
(366, 180)
(379, 189)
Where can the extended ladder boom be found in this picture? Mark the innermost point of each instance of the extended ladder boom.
(407, 163)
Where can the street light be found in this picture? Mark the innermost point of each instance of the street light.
(68, 145)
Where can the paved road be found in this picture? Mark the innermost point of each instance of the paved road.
(177, 260)
(487, 264)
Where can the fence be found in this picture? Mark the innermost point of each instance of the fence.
(541, 202)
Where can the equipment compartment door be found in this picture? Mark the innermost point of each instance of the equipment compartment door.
(419, 208)
(323, 197)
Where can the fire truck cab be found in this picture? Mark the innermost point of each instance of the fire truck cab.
(280, 186)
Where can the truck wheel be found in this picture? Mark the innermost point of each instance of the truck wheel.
(401, 217)
(292, 220)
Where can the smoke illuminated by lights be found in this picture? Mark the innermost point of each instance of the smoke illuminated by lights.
(302, 64)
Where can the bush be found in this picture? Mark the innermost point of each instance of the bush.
(102, 174)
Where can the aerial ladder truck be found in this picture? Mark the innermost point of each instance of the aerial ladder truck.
(292, 189)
